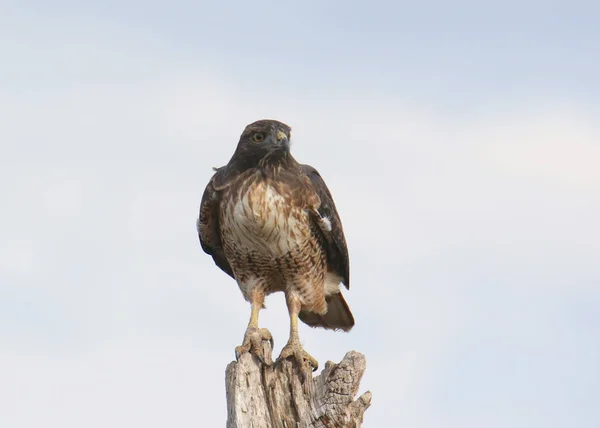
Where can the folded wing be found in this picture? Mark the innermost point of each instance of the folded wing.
(337, 250)
(209, 229)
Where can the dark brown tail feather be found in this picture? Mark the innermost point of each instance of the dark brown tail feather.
(337, 317)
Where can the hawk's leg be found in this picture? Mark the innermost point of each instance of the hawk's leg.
(254, 336)
(293, 347)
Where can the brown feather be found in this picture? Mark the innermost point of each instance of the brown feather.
(337, 250)
(337, 317)
(209, 229)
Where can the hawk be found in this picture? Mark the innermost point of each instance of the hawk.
(270, 223)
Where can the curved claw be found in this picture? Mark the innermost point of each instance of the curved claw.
(294, 349)
(253, 343)
(266, 335)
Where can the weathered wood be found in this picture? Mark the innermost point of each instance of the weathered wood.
(282, 396)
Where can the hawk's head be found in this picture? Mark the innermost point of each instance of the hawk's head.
(264, 138)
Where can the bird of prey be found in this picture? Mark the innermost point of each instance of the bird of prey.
(271, 224)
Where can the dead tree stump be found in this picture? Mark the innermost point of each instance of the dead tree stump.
(282, 396)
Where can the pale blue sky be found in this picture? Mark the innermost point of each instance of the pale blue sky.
(461, 142)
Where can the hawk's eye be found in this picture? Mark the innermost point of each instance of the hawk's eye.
(258, 137)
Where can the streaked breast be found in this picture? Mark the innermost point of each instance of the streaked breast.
(261, 218)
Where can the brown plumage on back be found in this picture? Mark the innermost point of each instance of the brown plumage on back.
(271, 224)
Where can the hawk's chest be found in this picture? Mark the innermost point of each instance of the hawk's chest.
(265, 219)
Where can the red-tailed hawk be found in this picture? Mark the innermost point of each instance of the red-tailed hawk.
(271, 224)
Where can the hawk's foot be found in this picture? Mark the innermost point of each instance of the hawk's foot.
(253, 343)
(294, 349)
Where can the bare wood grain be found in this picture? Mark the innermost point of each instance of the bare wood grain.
(282, 396)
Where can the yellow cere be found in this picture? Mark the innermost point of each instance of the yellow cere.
(281, 135)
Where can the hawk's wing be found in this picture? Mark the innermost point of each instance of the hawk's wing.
(337, 251)
(209, 229)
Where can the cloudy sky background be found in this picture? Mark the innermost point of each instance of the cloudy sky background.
(461, 143)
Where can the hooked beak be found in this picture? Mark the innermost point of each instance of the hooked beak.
(282, 139)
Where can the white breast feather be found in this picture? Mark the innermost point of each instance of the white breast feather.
(263, 224)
